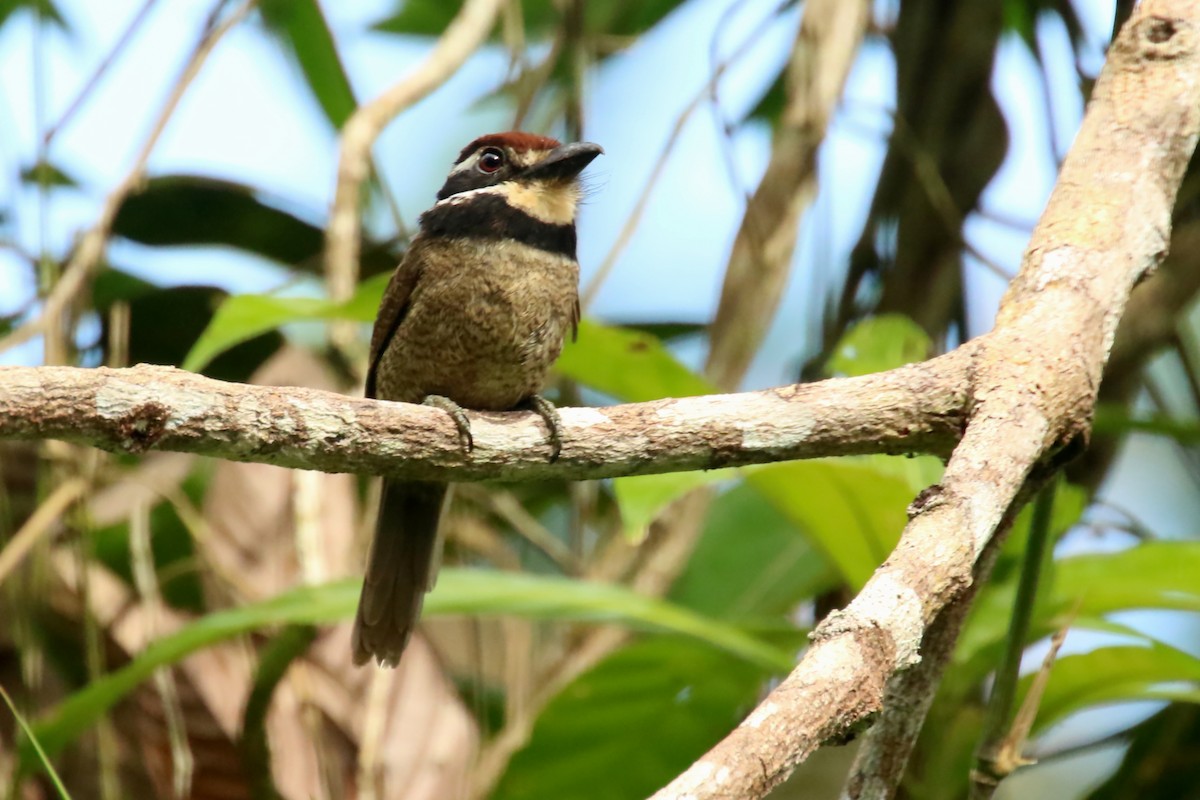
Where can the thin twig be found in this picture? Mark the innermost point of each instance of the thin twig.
(588, 295)
(146, 581)
(39, 523)
(122, 42)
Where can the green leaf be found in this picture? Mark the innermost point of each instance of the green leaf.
(1159, 574)
(613, 18)
(770, 104)
(878, 344)
(46, 8)
(750, 561)
(420, 17)
(1155, 575)
(1115, 674)
(642, 498)
(852, 512)
(627, 365)
(245, 316)
(188, 210)
(486, 593)
(44, 173)
(192, 210)
(304, 31)
(629, 725)
(459, 591)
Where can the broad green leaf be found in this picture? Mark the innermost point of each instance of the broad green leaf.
(918, 472)
(613, 18)
(1158, 574)
(853, 513)
(303, 29)
(642, 498)
(1116, 674)
(183, 210)
(878, 344)
(1154, 575)
(245, 316)
(629, 725)
(459, 591)
(194, 210)
(420, 17)
(48, 10)
(750, 561)
(627, 365)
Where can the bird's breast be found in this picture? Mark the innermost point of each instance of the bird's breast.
(485, 322)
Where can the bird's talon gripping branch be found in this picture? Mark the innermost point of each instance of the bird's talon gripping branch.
(457, 414)
(549, 414)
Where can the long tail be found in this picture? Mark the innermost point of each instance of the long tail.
(400, 569)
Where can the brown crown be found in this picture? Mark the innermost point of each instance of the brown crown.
(513, 140)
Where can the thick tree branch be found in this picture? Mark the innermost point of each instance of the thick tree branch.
(1034, 384)
(914, 409)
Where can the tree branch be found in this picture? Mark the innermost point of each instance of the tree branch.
(913, 409)
(1034, 382)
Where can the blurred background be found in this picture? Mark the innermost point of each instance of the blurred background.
(172, 626)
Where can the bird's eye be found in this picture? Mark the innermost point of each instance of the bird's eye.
(491, 160)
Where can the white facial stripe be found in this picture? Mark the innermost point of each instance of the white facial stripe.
(468, 163)
(549, 202)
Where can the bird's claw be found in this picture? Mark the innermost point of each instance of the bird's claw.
(549, 414)
(457, 415)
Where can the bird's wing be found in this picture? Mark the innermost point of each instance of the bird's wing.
(393, 308)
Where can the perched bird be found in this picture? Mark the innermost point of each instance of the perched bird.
(473, 317)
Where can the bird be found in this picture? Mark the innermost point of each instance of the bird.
(473, 317)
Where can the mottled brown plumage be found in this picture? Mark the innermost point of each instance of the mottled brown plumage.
(475, 314)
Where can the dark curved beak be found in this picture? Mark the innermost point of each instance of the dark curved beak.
(564, 163)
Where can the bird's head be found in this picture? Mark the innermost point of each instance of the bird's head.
(533, 174)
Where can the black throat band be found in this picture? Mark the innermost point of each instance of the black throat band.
(490, 217)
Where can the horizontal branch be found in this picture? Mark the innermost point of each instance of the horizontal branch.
(918, 408)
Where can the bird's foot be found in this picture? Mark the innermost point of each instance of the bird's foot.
(457, 414)
(549, 414)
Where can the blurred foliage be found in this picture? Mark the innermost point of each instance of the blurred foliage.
(776, 542)
(628, 18)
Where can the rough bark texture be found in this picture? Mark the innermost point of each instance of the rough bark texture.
(915, 409)
(1033, 386)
